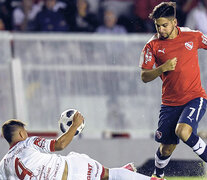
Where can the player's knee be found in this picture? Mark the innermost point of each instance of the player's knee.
(183, 131)
(106, 174)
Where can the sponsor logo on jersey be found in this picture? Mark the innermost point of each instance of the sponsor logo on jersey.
(90, 168)
(148, 56)
(161, 50)
(189, 45)
(159, 134)
(204, 41)
(40, 142)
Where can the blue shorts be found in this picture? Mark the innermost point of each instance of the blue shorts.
(190, 113)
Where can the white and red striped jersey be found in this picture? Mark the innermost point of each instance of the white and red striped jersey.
(32, 159)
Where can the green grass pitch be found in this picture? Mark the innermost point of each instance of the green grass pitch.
(186, 178)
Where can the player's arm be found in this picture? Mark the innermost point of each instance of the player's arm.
(67, 137)
(202, 40)
(148, 75)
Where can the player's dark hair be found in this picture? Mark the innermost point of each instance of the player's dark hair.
(164, 9)
(9, 127)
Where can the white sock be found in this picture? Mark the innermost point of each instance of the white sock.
(159, 163)
(124, 174)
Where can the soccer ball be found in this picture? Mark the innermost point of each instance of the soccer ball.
(66, 119)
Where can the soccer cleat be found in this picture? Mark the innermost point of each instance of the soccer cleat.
(130, 167)
(154, 177)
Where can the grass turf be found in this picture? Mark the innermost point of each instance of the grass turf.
(186, 178)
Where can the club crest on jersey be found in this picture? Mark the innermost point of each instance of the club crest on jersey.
(189, 45)
(148, 56)
(204, 41)
(159, 134)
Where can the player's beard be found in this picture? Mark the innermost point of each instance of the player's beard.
(167, 34)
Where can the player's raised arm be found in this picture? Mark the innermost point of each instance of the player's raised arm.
(149, 75)
(67, 137)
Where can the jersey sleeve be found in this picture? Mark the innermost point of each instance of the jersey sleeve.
(42, 144)
(202, 40)
(147, 58)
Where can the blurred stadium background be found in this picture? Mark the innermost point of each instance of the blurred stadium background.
(44, 74)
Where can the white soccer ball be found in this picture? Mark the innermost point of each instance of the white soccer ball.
(66, 119)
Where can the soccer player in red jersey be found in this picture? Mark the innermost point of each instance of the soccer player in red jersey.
(173, 51)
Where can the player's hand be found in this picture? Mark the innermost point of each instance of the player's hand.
(169, 65)
(77, 119)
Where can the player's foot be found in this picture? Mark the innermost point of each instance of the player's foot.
(154, 177)
(130, 167)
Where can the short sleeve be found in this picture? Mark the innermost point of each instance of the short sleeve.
(202, 40)
(147, 58)
(43, 145)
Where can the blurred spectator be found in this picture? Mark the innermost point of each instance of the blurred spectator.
(121, 7)
(84, 21)
(51, 18)
(5, 13)
(197, 18)
(123, 10)
(183, 8)
(24, 15)
(110, 25)
(94, 6)
(2, 25)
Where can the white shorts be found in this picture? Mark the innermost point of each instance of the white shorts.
(82, 167)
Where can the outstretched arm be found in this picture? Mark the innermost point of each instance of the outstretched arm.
(149, 75)
(67, 137)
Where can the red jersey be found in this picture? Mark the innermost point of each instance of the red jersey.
(184, 83)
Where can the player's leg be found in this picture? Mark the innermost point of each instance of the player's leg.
(162, 158)
(165, 134)
(105, 174)
(81, 166)
(129, 166)
(187, 126)
(125, 174)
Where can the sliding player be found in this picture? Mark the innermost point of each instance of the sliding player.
(30, 158)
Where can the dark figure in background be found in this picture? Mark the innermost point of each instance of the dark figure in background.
(2, 25)
(5, 14)
(50, 18)
(142, 8)
(83, 21)
(24, 15)
(183, 8)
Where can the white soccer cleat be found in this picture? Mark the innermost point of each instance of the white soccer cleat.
(130, 167)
